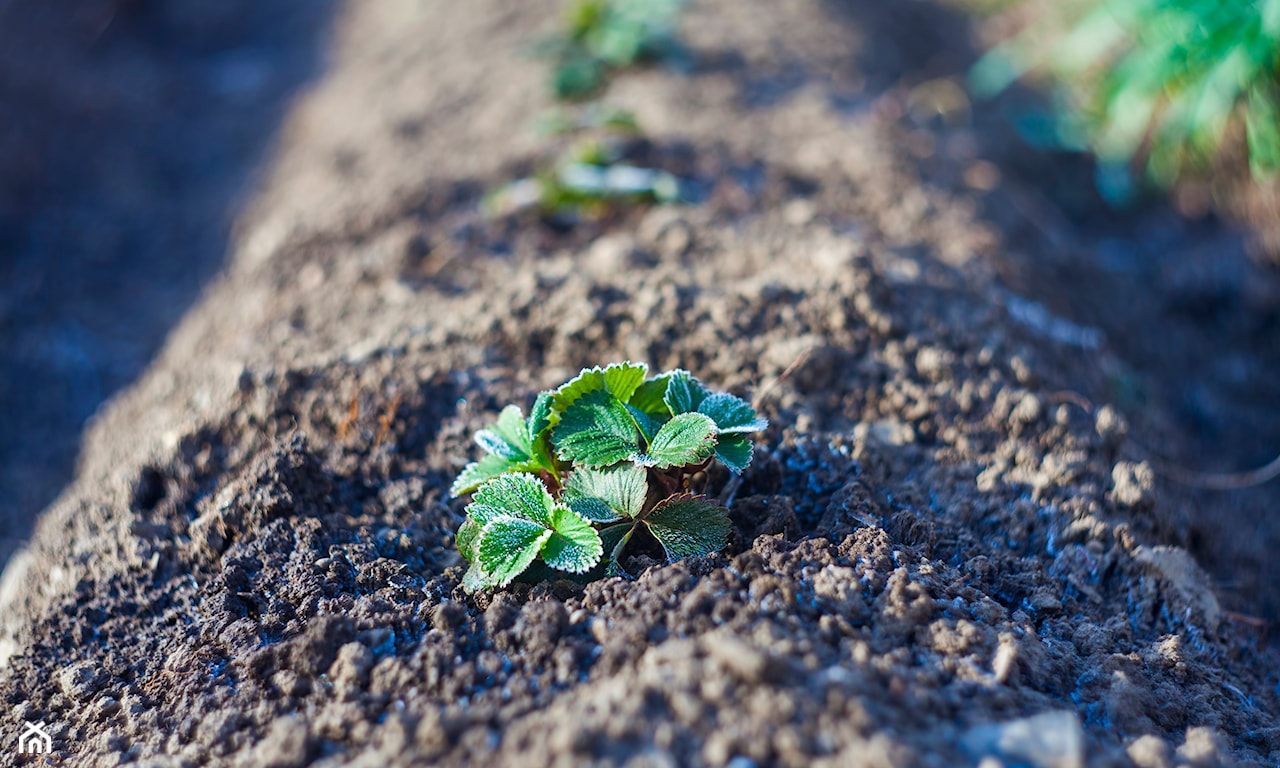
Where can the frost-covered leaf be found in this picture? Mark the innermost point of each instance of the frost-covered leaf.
(475, 579)
(648, 425)
(509, 450)
(609, 494)
(731, 414)
(689, 526)
(592, 509)
(648, 397)
(596, 431)
(734, 451)
(465, 539)
(684, 393)
(521, 496)
(508, 437)
(539, 429)
(689, 438)
(574, 546)
(619, 380)
(539, 416)
(507, 545)
(622, 379)
(477, 473)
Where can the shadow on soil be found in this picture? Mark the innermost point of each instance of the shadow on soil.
(131, 133)
(1192, 317)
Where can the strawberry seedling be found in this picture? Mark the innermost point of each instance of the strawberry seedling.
(600, 37)
(599, 468)
(590, 174)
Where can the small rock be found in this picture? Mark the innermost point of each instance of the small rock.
(932, 363)
(837, 582)
(1028, 410)
(1050, 740)
(351, 668)
(1005, 660)
(1204, 748)
(1190, 585)
(81, 680)
(1133, 485)
(1110, 426)
(286, 744)
(1150, 752)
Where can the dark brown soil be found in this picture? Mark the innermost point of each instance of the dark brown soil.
(956, 519)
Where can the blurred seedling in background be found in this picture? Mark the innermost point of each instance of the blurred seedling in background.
(1172, 86)
(599, 471)
(599, 37)
(589, 172)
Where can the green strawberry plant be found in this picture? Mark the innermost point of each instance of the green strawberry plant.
(600, 37)
(600, 465)
(589, 174)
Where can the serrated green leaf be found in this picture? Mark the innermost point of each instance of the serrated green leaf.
(684, 392)
(734, 451)
(622, 379)
(539, 416)
(521, 496)
(607, 495)
(483, 513)
(618, 379)
(574, 546)
(475, 579)
(731, 414)
(507, 546)
(539, 428)
(594, 510)
(689, 526)
(494, 445)
(647, 424)
(689, 438)
(510, 429)
(596, 431)
(648, 397)
(465, 538)
(479, 472)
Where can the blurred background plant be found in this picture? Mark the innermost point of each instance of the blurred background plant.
(599, 37)
(595, 163)
(590, 171)
(1168, 89)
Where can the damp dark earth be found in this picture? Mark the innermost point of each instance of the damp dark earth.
(971, 535)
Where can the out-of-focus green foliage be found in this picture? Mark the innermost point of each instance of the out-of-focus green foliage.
(589, 173)
(601, 36)
(1160, 83)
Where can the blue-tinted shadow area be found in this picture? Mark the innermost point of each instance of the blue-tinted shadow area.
(131, 132)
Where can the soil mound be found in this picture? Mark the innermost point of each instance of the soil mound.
(939, 553)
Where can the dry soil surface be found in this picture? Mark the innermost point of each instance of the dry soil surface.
(956, 540)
